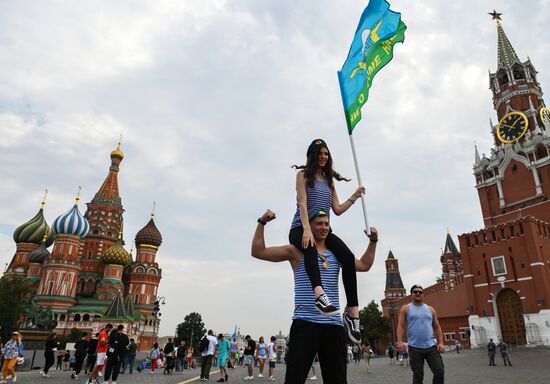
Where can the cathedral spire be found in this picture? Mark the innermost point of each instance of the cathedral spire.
(109, 193)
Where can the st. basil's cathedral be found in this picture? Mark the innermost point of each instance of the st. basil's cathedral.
(89, 278)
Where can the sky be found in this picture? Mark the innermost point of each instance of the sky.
(215, 100)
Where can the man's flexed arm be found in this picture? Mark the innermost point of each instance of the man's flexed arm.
(260, 251)
(366, 261)
(401, 328)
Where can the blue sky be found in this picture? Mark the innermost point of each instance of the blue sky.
(216, 99)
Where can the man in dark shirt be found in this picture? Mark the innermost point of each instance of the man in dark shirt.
(169, 354)
(491, 350)
(130, 358)
(249, 351)
(504, 352)
(92, 354)
(118, 342)
(80, 347)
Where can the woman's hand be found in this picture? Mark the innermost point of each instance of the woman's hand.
(307, 239)
(357, 194)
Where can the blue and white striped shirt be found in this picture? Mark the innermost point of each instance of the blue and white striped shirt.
(304, 299)
(319, 197)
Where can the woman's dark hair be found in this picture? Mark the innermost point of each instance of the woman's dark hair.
(311, 165)
(50, 337)
(156, 345)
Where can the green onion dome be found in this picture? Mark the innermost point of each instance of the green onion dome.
(39, 254)
(117, 255)
(149, 235)
(34, 230)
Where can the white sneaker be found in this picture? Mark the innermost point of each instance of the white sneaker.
(14, 379)
(313, 377)
(100, 374)
(271, 378)
(260, 375)
(249, 378)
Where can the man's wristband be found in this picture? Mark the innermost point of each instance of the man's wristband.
(374, 241)
(262, 222)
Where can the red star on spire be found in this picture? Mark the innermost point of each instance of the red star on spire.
(495, 15)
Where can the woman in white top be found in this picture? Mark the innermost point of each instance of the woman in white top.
(261, 355)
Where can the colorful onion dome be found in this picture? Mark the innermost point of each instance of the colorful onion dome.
(149, 235)
(71, 222)
(117, 255)
(34, 230)
(118, 152)
(39, 254)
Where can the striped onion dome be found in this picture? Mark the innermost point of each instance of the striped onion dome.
(149, 235)
(34, 230)
(71, 223)
(117, 255)
(39, 254)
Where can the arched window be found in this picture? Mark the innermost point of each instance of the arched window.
(518, 72)
(62, 317)
(86, 317)
(502, 78)
(77, 317)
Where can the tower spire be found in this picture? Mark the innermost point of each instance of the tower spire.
(506, 55)
(477, 158)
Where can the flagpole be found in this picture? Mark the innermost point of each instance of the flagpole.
(363, 201)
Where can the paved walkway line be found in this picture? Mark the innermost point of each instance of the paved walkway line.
(196, 378)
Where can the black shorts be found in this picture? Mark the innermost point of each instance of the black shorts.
(271, 363)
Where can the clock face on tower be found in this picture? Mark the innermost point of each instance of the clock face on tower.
(512, 127)
(544, 114)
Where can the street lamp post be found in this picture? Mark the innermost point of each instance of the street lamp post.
(156, 314)
(392, 307)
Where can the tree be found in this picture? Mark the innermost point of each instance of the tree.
(374, 327)
(13, 300)
(192, 326)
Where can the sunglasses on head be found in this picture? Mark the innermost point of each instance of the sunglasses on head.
(418, 292)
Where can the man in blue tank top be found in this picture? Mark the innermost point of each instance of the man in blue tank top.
(418, 322)
(312, 333)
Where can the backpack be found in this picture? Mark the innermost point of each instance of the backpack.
(204, 344)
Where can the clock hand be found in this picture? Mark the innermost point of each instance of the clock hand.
(508, 126)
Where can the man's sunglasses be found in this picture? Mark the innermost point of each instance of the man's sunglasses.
(418, 292)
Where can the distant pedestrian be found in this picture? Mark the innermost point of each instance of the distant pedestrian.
(272, 354)
(222, 351)
(51, 347)
(249, 349)
(181, 357)
(418, 321)
(66, 360)
(491, 351)
(169, 354)
(404, 356)
(504, 352)
(11, 352)
(190, 357)
(91, 354)
(367, 354)
(81, 346)
(207, 354)
(130, 358)
(232, 354)
(261, 355)
(391, 354)
(59, 364)
(457, 346)
(154, 355)
(349, 354)
(355, 351)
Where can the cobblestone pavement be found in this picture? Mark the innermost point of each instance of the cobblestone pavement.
(529, 366)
